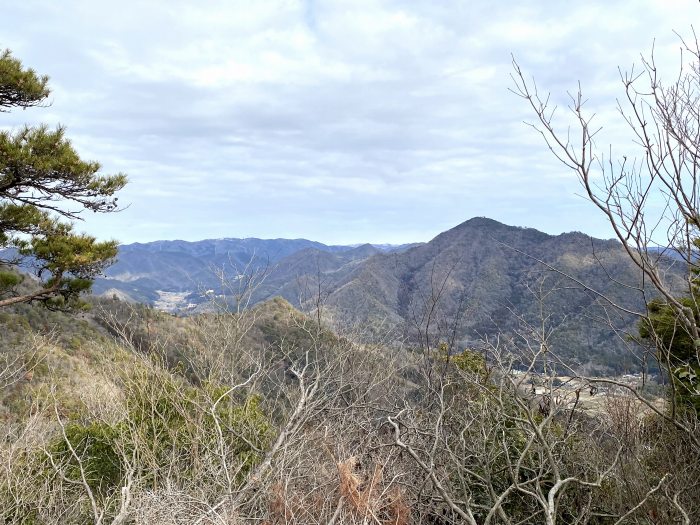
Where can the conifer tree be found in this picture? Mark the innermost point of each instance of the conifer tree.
(44, 186)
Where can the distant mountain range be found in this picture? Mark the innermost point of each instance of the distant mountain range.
(479, 280)
(148, 272)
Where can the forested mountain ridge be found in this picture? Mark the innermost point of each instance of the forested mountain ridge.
(487, 279)
(144, 269)
(476, 280)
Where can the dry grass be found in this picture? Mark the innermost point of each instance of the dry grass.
(368, 498)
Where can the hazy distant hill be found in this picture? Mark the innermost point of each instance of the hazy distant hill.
(145, 272)
(482, 277)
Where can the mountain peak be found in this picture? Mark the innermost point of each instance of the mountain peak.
(486, 224)
(481, 222)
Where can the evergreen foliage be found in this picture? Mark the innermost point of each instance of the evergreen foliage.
(676, 348)
(42, 179)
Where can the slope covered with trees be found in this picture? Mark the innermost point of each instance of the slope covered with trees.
(483, 278)
(476, 280)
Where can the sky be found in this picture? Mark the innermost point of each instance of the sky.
(338, 121)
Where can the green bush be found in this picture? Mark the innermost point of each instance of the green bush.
(95, 444)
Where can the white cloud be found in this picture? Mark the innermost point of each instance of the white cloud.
(341, 121)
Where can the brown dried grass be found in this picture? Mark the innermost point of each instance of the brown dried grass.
(369, 498)
(398, 510)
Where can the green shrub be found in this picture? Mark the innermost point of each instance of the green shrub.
(96, 446)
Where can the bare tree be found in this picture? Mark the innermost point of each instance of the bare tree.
(650, 198)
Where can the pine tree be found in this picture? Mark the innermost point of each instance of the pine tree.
(44, 185)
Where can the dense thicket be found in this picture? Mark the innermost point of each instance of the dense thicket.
(263, 416)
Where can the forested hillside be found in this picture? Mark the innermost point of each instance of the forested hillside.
(478, 280)
(144, 271)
